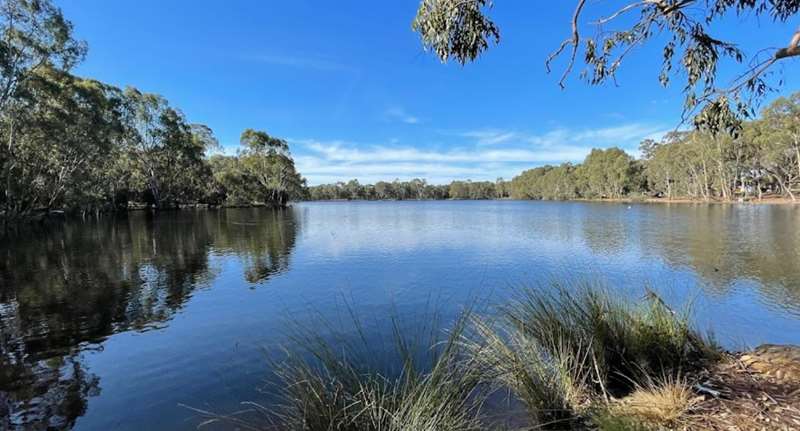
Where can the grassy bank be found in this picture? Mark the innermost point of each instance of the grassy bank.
(572, 358)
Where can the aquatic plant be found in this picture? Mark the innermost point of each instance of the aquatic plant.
(562, 350)
(351, 381)
(568, 354)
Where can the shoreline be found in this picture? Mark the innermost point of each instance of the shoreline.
(765, 201)
(55, 214)
(754, 201)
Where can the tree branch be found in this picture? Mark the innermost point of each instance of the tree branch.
(574, 41)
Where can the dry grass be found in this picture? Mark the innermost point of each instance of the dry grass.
(565, 352)
(660, 405)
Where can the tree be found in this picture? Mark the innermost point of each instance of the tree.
(84, 116)
(267, 160)
(164, 154)
(608, 172)
(34, 36)
(782, 117)
(461, 30)
(77, 144)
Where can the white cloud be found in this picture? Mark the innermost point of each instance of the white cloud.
(400, 114)
(490, 136)
(488, 154)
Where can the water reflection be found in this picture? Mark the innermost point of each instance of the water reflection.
(68, 287)
(192, 293)
(726, 245)
(606, 230)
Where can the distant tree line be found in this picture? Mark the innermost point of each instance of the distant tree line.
(764, 158)
(416, 189)
(77, 144)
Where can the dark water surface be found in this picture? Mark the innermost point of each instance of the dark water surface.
(113, 324)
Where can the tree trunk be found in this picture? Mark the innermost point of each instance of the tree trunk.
(669, 186)
(10, 163)
(705, 179)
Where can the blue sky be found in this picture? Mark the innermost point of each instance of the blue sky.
(348, 84)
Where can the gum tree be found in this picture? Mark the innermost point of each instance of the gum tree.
(34, 36)
(461, 30)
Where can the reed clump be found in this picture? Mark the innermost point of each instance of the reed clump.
(567, 353)
(576, 357)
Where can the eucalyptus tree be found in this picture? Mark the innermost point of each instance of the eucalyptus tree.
(782, 119)
(164, 155)
(268, 161)
(34, 35)
(461, 30)
(70, 127)
(608, 172)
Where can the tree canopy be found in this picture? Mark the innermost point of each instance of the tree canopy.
(763, 159)
(461, 30)
(415, 189)
(75, 143)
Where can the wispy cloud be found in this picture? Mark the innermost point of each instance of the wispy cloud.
(625, 136)
(338, 151)
(399, 114)
(491, 136)
(484, 155)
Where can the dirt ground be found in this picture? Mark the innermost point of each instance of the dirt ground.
(758, 390)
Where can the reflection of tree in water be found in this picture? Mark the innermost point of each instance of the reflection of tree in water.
(263, 240)
(81, 282)
(44, 395)
(724, 244)
(605, 232)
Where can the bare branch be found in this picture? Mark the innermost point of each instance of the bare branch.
(622, 11)
(792, 49)
(574, 41)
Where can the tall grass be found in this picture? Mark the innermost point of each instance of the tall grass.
(335, 387)
(630, 342)
(567, 353)
(420, 380)
(561, 350)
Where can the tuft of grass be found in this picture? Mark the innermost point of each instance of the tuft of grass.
(566, 354)
(350, 382)
(550, 381)
(663, 405)
(562, 351)
(629, 343)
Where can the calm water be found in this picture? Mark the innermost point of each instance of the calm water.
(113, 324)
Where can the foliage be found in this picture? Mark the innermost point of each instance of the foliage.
(455, 28)
(567, 354)
(77, 144)
(416, 189)
(763, 159)
(462, 30)
(550, 382)
(561, 351)
(609, 173)
(627, 344)
(267, 161)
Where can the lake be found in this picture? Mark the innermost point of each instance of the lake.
(114, 324)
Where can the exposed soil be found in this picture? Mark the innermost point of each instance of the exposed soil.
(758, 390)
